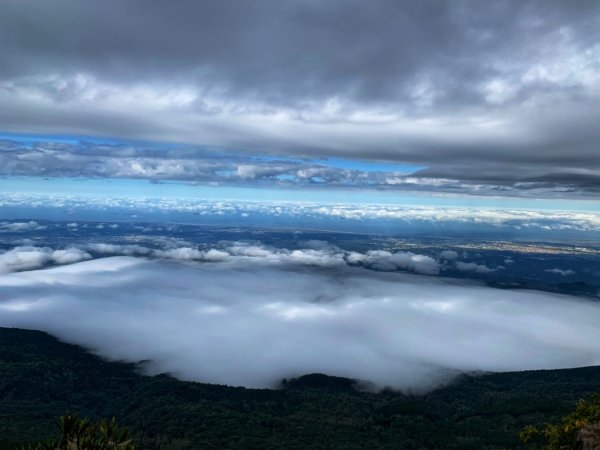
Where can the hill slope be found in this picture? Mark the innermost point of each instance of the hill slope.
(41, 378)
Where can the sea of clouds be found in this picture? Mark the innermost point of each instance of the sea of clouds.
(445, 220)
(250, 315)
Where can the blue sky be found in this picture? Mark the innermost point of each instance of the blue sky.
(370, 166)
(143, 188)
(79, 165)
(125, 187)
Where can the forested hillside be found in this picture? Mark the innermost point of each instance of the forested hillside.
(41, 378)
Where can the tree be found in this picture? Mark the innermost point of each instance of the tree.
(76, 433)
(561, 436)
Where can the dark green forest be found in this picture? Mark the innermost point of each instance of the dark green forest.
(42, 378)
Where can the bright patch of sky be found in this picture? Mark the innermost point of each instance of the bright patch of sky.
(301, 177)
(112, 187)
(126, 187)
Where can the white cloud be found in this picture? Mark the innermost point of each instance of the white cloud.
(387, 261)
(318, 254)
(181, 254)
(23, 258)
(474, 267)
(561, 272)
(21, 226)
(69, 256)
(448, 255)
(515, 219)
(28, 257)
(253, 324)
(116, 249)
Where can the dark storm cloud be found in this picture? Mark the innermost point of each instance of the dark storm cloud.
(292, 51)
(512, 87)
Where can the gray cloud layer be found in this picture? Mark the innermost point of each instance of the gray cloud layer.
(196, 166)
(509, 88)
(252, 324)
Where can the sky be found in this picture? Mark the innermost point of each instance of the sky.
(160, 163)
(425, 99)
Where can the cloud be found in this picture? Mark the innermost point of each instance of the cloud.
(69, 256)
(510, 88)
(386, 261)
(195, 165)
(318, 255)
(131, 249)
(448, 255)
(513, 219)
(29, 257)
(12, 227)
(561, 272)
(474, 267)
(380, 218)
(253, 324)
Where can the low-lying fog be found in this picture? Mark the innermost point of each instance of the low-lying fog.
(236, 323)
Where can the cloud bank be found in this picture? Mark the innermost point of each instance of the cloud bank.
(383, 218)
(235, 168)
(12, 227)
(253, 324)
(30, 257)
(510, 89)
(561, 272)
(317, 254)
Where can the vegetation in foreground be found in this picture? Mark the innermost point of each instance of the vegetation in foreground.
(75, 433)
(81, 434)
(41, 378)
(561, 435)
